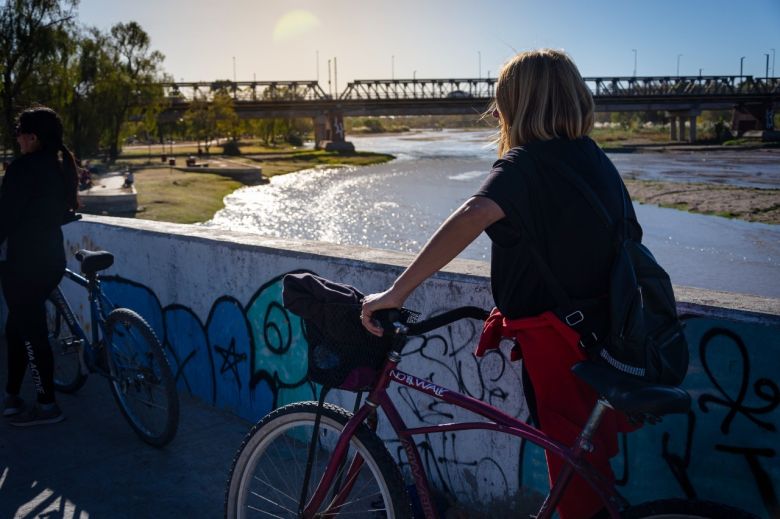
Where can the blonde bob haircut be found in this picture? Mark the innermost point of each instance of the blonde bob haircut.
(540, 95)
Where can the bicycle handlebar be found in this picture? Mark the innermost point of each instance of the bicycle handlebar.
(390, 320)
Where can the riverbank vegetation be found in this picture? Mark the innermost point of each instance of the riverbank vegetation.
(170, 195)
(744, 203)
(98, 81)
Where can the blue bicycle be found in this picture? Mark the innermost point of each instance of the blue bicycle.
(122, 347)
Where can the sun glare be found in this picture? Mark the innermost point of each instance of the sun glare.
(293, 24)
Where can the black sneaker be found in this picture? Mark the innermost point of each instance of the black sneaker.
(38, 416)
(13, 405)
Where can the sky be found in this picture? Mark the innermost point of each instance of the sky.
(203, 40)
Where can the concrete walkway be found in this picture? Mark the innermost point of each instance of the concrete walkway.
(93, 465)
(109, 196)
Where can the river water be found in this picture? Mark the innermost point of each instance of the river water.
(398, 205)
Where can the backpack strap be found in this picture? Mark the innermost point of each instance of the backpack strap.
(580, 315)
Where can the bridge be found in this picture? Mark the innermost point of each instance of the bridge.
(752, 99)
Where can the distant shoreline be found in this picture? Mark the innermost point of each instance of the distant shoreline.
(743, 203)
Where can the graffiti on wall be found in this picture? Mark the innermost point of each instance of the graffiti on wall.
(247, 358)
(252, 358)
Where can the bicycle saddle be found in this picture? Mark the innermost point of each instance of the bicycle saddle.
(94, 261)
(630, 395)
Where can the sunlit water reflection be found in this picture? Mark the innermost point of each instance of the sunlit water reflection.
(398, 205)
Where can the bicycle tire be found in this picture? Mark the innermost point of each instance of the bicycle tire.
(684, 509)
(140, 377)
(65, 346)
(277, 441)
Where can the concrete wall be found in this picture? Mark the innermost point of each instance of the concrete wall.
(214, 299)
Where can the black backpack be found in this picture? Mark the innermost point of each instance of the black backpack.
(644, 337)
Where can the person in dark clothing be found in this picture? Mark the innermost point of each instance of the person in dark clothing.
(38, 190)
(533, 215)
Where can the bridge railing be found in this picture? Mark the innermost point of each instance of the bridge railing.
(464, 89)
(650, 86)
(363, 89)
(683, 86)
(246, 91)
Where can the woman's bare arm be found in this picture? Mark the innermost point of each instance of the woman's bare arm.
(460, 229)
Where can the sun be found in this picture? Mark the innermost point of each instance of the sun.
(293, 24)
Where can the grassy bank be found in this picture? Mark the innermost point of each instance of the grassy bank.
(166, 194)
(744, 203)
(169, 195)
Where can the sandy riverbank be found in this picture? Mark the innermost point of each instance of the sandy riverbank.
(749, 204)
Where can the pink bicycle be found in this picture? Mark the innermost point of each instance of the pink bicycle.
(313, 459)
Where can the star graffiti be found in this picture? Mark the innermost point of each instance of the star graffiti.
(230, 359)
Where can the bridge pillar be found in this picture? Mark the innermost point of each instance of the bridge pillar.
(752, 117)
(320, 130)
(677, 121)
(329, 132)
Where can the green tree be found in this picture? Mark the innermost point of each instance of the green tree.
(30, 32)
(208, 120)
(128, 81)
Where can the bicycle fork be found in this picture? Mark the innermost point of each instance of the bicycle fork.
(341, 488)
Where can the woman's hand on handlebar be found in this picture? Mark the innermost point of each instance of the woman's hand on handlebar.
(373, 302)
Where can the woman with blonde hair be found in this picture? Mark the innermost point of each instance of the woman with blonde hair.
(541, 228)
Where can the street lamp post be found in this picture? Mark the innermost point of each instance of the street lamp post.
(634, 51)
(678, 64)
(741, 61)
(766, 74)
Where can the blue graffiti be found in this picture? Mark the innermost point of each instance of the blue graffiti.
(248, 359)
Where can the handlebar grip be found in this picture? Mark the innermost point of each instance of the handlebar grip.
(387, 317)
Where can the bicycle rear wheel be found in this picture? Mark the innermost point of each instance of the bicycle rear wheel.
(141, 378)
(65, 345)
(685, 509)
(268, 471)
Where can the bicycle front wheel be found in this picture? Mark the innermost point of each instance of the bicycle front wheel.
(268, 472)
(685, 509)
(66, 348)
(141, 378)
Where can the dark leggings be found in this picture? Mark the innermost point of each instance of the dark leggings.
(27, 334)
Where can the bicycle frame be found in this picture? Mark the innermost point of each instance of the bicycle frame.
(97, 303)
(497, 421)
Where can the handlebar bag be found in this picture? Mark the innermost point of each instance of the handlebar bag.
(342, 353)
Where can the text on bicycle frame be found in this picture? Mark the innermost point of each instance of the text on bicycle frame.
(424, 385)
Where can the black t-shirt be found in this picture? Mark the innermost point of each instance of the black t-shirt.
(546, 210)
(32, 207)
